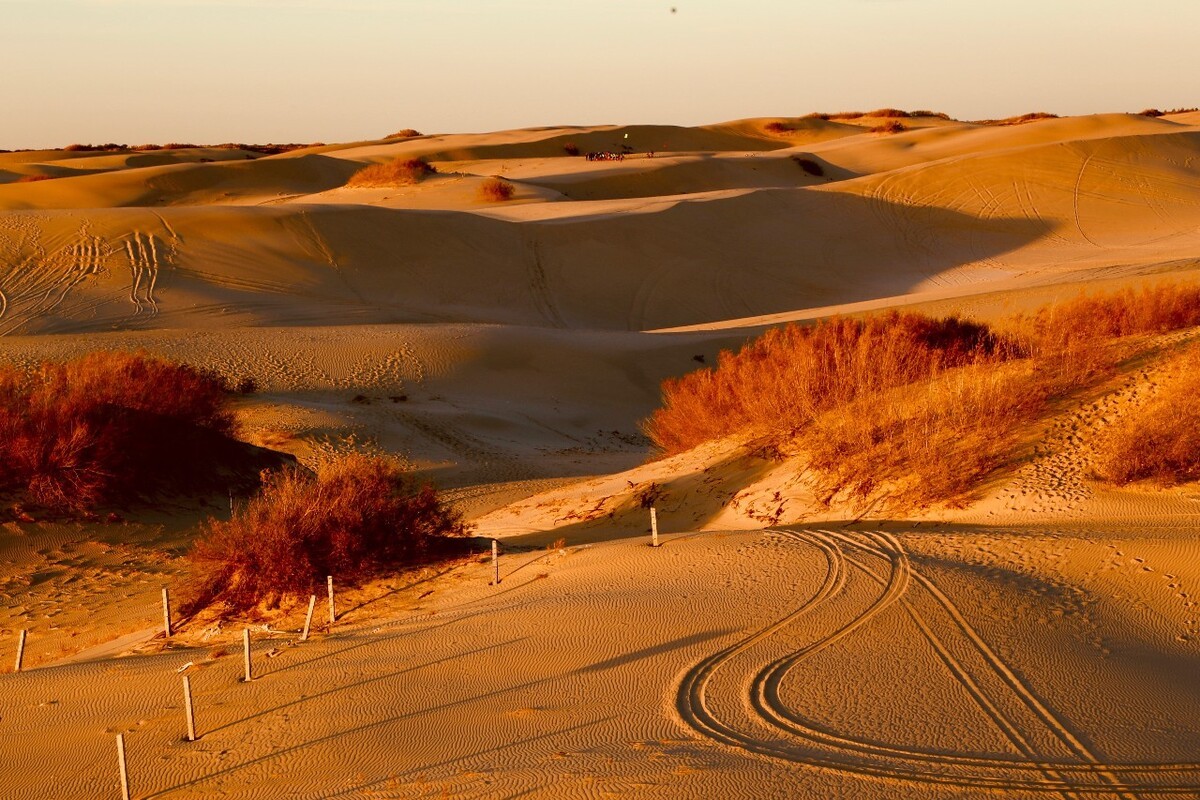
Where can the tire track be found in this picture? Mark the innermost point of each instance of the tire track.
(802, 744)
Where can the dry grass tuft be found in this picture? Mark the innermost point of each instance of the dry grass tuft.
(102, 428)
(359, 517)
(401, 172)
(1161, 441)
(1021, 120)
(403, 133)
(891, 126)
(496, 190)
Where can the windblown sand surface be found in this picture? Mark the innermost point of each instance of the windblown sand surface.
(1042, 640)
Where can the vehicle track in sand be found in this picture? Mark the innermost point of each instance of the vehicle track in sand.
(1048, 756)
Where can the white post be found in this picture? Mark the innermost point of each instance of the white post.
(329, 584)
(20, 650)
(167, 612)
(246, 648)
(187, 708)
(495, 563)
(121, 764)
(653, 527)
(312, 603)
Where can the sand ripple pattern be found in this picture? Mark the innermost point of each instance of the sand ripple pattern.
(1047, 755)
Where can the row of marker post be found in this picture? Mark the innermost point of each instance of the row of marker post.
(248, 671)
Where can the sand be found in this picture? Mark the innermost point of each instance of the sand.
(1040, 640)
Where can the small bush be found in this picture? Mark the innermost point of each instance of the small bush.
(104, 427)
(1160, 441)
(891, 126)
(358, 517)
(1151, 112)
(247, 385)
(400, 172)
(571, 149)
(496, 190)
(777, 128)
(33, 178)
(813, 168)
(1021, 120)
(403, 133)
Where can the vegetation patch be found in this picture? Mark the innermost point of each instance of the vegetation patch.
(496, 190)
(400, 172)
(358, 517)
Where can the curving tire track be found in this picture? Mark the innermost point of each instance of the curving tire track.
(798, 742)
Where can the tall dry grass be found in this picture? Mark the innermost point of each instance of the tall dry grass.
(920, 409)
(358, 517)
(1160, 442)
(496, 190)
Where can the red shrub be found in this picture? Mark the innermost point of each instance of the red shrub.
(358, 517)
(393, 173)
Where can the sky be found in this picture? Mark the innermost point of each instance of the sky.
(209, 71)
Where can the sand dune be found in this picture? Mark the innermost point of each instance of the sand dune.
(1037, 640)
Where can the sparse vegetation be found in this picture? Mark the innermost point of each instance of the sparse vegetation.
(33, 178)
(400, 172)
(1154, 112)
(1160, 442)
(571, 149)
(777, 128)
(403, 133)
(357, 518)
(927, 407)
(891, 126)
(496, 190)
(102, 428)
(1021, 120)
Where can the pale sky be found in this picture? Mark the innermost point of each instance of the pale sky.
(208, 71)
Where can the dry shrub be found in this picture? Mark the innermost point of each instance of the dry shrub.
(358, 517)
(403, 133)
(571, 149)
(1160, 441)
(496, 190)
(891, 126)
(927, 408)
(1021, 120)
(785, 378)
(401, 172)
(777, 128)
(33, 178)
(104, 427)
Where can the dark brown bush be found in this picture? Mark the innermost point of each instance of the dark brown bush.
(400, 172)
(403, 133)
(891, 126)
(357, 518)
(776, 128)
(571, 149)
(496, 190)
(33, 178)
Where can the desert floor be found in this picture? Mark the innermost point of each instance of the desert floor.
(1041, 640)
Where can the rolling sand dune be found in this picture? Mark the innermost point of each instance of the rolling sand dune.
(1037, 640)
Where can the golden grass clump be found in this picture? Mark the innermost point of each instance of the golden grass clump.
(1160, 442)
(891, 126)
(403, 133)
(400, 172)
(787, 377)
(496, 190)
(923, 409)
(358, 517)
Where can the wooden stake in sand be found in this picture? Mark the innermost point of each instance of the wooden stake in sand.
(167, 612)
(312, 603)
(329, 585)
(187, 709)
(122, 766)
(246, 648)
(653, 527)
(20, 650)
(495, 563)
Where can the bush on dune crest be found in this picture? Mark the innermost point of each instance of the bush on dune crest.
(926, 406)
(357, 518)
(496, 190)
(96, 429)
(400, 172)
